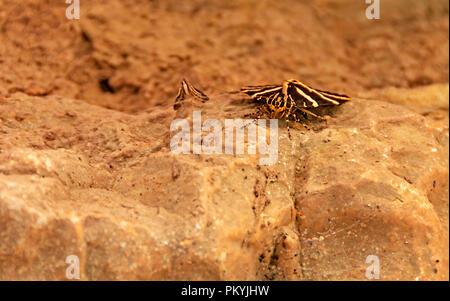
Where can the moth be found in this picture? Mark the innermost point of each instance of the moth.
(291, 99)
(187, 89)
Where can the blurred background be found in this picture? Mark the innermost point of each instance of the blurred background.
(129, 55)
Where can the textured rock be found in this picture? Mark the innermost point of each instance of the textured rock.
(80, 180)
(88, 180)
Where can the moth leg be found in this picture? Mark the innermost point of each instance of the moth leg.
(287, 126)
(265, 113)
(311, 113)
(247, 124)
(260, 113)
(297, 119)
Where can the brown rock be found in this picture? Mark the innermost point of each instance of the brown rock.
(76, 179)
(373, 180)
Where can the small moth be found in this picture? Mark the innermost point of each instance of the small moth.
(187, 89)
(292, 98)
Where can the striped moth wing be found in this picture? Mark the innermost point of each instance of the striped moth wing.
(307, 97)
(261, 92)
(187, 89)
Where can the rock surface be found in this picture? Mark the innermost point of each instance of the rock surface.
(80, 180)
(86, 168)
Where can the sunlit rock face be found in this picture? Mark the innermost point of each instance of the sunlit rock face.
(102, 185)
(91, 190)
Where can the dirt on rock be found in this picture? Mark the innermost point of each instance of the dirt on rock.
(86, 167)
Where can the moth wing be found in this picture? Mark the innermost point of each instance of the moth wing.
(187, 89)
(197, 93)
(307, 97)
(261, 92)
(341, 98)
